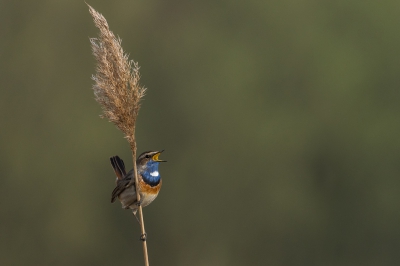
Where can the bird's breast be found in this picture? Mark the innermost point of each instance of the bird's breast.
(149, 192)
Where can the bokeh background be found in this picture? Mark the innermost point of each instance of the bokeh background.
(280, 120)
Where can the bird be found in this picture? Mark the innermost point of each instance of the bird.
(149, 180)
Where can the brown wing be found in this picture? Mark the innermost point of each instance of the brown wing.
(121, 184)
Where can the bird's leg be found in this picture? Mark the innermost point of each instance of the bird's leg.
(143, 237)
(138, 203)
(137, 219)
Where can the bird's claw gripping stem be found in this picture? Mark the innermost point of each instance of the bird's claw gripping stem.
(143, 237)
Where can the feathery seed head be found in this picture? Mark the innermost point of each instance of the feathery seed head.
(116, 87)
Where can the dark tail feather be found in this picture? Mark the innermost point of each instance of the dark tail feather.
(119, 167)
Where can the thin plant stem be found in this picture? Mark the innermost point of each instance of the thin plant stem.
(142, 229)
(118, 92)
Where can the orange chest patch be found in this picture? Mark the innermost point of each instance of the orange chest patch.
(147, 189)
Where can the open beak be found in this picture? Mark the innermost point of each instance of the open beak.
(155, 157)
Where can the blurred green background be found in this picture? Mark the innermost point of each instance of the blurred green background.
(280, 120)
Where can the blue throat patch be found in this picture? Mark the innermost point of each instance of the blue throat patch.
(151, 175)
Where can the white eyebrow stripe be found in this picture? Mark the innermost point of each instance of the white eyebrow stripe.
(155, 173)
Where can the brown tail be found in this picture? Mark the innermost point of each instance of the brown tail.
(119, 166)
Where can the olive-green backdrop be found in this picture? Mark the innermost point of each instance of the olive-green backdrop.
(280, 120)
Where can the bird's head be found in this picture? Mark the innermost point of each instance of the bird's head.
(147, 165)
(148, 158)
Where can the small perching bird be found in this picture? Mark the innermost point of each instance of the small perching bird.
(149, 180)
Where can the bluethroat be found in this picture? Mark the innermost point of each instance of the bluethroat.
(149, 180)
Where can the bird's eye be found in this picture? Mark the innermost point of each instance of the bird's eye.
(148, 156)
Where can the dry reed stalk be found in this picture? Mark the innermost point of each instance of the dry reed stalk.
(118, 91)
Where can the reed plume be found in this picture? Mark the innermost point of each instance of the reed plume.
(116, 87)
(118, 92)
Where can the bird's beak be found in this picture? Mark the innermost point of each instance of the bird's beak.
(155, 157)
